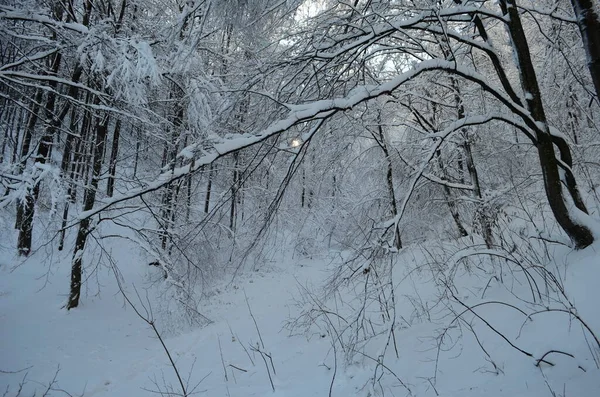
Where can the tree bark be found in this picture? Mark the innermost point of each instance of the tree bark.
(449, 200)
(588, 21)
(14, 120)
(74, 171)
(170, 159)
(26, 146)
(88, 203)
(234, 192)
(382, 142)
(390, 186)
(138, 144)
(208, 189)
(73, 93)
(484, 221)
(112, 167)
(43, 153)
(579, 234)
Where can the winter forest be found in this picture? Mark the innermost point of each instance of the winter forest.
(300, 198)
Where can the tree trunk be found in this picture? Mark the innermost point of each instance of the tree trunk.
(170, 160)
(43, 153)
(389, 180)
(234, 191)
(138, 144)
(13, 124)
(112, 167)
(188, 200)
(26, 146)
(74, 93)
(303, 192)
(484, 221)
(579, 233)
(88, 203)
(449, 200)
(589, 26)
(573, 115)
(208, 189)
(431, 126)
(75, 167)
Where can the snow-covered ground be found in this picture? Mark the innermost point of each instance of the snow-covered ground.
(103, 349)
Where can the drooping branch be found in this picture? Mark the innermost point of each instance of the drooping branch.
(317, 110)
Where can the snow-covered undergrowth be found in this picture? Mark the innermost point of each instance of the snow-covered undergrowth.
(436, 319)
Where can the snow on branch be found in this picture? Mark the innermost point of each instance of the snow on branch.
(421, 21)
(15, 14)
(317, 110)
(442, 137)
(12, 75)
(29, 58)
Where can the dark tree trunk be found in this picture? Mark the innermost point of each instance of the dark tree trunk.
(138, 144)
(382, 142)
(589, 26)
(112, 167)
(573, 116)
(234, 192)
(188, 200)
(66, 162)
(13, 124)
(53, 121)
(579, 234)
(170, 159)
(81, 145)
(484, 221)
(43, 153)
(188, 187)
(208, 189)
(430, 125)
(69, 140)
(449, 200)
(72, 191)
(88, 203)
(74, 93)
(26, 146)
(303, 192)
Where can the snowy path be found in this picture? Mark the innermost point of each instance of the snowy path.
(103, 349)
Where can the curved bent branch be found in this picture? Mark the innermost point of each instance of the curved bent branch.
(323, 109)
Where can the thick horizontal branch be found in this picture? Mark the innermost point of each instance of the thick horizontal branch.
(317, 110)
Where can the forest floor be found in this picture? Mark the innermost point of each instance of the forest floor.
(103, 348)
